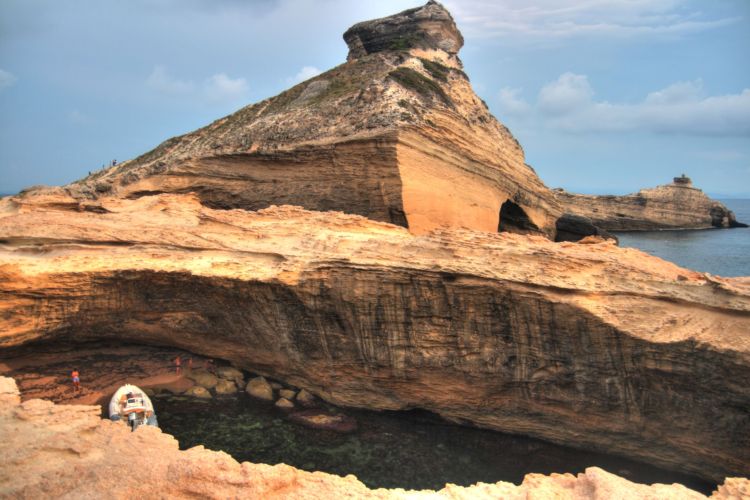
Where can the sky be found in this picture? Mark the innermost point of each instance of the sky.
(605, 96)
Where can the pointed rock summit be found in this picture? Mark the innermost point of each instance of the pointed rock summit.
(427, 27)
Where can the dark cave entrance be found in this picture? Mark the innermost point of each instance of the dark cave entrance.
(513, 219)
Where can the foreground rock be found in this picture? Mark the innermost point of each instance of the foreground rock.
(259, 388)
(678, 205)
(592, 345)
(88, 457)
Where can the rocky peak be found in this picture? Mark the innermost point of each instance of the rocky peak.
(428, 27)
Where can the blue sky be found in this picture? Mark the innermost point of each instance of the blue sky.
(605, 96)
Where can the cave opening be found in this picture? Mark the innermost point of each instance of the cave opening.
(513, 219)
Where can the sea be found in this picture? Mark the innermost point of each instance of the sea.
(723, 252)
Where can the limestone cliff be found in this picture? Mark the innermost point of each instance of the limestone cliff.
(678, 205)
(396, 134)
(52, 451)
(588, 345)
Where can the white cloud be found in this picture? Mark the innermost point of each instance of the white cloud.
(79, 118)
(511, 103)
(303, 74)
(218, 87)
(6, 79)
(160, 80)
(518, 20)
(567, 93)
(568, 104)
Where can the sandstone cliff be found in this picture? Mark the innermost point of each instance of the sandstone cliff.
(586, 345)
(678, 205)
(52, 451)
(395, 134)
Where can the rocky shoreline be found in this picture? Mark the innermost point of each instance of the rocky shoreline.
(148, 462)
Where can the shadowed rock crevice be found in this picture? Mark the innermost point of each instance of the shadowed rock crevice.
(513, 219)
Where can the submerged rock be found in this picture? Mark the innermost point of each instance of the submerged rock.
(198, 392)
(259, 387)
(321, 419)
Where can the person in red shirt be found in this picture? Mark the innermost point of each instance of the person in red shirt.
(177, 364)
(76, 380)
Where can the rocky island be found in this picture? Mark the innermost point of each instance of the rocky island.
(678, 205)
(393, 282)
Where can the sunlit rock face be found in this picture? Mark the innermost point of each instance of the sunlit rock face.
(678, 205)
(587, 345)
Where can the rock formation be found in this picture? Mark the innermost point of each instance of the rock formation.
(396, 134)
(586, 345)
(52, 451)
(678, 205)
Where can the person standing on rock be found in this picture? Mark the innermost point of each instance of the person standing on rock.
(177, 364)
(76, 380)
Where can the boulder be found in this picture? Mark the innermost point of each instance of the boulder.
(230, 373)
(203, 378)
(305, 398)
(225, 387)
(287, 393)
(284, 404)
(198, 392)
(276, 386)
(259, 387)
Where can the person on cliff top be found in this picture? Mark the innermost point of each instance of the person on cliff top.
(177, 364)
(76, 380)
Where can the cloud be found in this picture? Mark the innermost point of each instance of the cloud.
(79, 118)
(218, 87)
(511, 103)
(518, 20)
(568, 104)
(6, 79)
(161, 81)
(568, 93)
(303, 74)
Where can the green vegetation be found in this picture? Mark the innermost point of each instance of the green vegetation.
(437, 70)
(417, 82)
(406, 42)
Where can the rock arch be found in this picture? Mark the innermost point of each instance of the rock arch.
(513, 219)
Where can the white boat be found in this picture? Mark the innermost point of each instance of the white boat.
(130, 404)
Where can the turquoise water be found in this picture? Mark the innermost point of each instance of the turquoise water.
(407, 450)
(724, 252)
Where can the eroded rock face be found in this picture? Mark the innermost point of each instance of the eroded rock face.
(429, 27)
(585, 345)
(678, 205)
(88, 456)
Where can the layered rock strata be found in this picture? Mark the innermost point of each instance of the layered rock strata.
(678, 205)
(586, 345)
(105, 457)
(396, 134)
